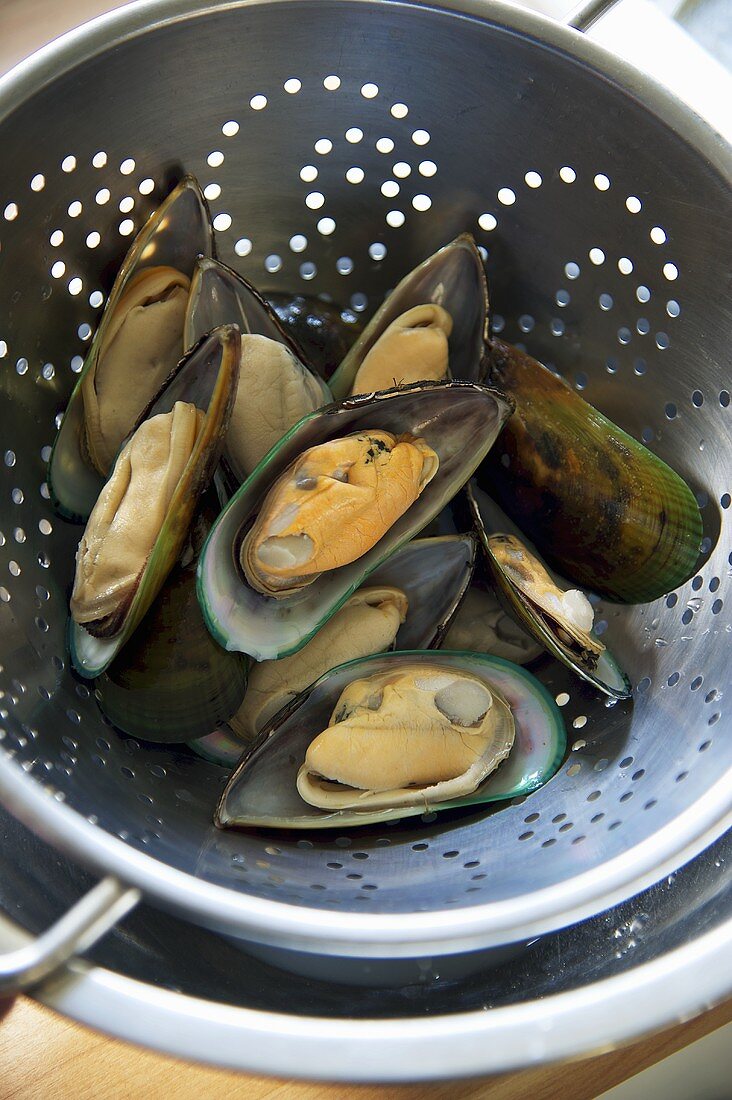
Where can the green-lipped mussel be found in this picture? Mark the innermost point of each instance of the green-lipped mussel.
(139, 523)
(440, 309)
(438, 724)
(332, 505)
(558, 617)
(408, 602)
(137, 344)
(276, 387)
(171, 682)
(601, 508)
(276, 614)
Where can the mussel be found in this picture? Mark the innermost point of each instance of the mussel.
(138, 342)
(413, 736)
(126, 520)
(265, 610)
(171, 682)
(600, 507)
(413, 348)
(408, 602)
(332, 505)
(395, 735)
(559, 618)
(276, 387)
(367, 623)
(138, 526)
(440, 309)
(434, 574)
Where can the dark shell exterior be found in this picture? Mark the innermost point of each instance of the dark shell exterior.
(600, 507)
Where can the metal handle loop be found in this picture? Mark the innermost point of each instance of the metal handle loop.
(587, 13)
(85, 923)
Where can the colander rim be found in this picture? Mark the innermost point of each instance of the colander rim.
(669, 989)
(350, 933)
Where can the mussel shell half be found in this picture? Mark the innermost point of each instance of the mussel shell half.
(434, 574)
(323, 330)
(606, 676)
(262, 790)
(601, 508)
(459, 420)
(453, 278)
(219, 296)
(172, 682)
(207, 378)
(178, 230)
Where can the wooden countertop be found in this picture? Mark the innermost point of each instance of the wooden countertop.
(44, 1056)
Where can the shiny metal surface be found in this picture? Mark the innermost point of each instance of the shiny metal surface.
(587, 13)
(600, 265)
(85, 923)
(160, 981)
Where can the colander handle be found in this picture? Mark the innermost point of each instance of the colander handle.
(587, 13)
(85, 923)
(642, 35)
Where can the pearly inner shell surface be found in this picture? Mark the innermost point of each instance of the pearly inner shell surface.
(482, 626)
(367, 623)
(569, 611)
(418, 733)
(332, 505)
(127, 517)
(414, 348)
(142, 342)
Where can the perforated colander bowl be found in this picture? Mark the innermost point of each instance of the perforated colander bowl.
(339, 143)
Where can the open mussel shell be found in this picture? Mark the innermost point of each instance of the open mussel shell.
(606, 675)
(173, 235)
(206, 378)
(433, 574)
(458, 420)
(262, 791)
(600, 507)
(323, 330)
(452, 278)
(219, 296)
(172, 682)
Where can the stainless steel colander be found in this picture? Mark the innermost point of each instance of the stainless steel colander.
(339, 142)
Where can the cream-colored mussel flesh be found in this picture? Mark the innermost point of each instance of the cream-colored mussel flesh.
(367, 623)
(568, 613)
(274, 392)
(128, 516)
(141, 344)
(419, 734)
(412, 349)
(332, 505)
